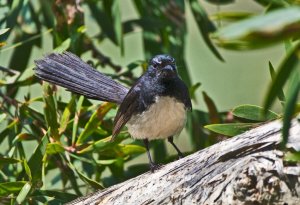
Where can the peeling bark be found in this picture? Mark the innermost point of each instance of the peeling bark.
(246, 169)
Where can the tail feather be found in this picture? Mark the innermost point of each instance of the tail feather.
(69, 71)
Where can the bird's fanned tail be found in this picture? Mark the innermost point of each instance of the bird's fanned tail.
(69, 71)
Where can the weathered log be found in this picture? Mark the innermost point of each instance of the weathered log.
(246, 169)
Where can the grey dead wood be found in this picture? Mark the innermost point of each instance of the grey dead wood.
(246, 169)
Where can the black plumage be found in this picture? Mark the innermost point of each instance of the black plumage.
(69, 71)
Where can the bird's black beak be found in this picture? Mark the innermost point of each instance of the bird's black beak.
(168, 71)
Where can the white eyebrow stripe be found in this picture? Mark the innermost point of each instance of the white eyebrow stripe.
(157, 61)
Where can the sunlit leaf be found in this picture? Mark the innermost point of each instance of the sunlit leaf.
(2, 117)
(230, 16)
(27, 169)
(8, 129)
(66, 115)
(23, 193)
(11, 16)
(292, 156)
(106, 161)
(231, 129)
(94, 121)
(76, 118)
(103, 144)
(54, 148)
(2, 31)
(253, 112)
(260, 31)
(130, 149)
(50, 111)
(23, 42)
(7, 188)
(63, 46)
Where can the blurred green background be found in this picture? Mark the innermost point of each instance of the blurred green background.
(67, 135)
(239, 73)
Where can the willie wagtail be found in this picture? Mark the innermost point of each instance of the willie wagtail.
(153, 108)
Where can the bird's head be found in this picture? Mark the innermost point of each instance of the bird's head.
(163, 66)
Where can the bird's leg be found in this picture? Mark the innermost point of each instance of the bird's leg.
(180, 155)
(153, 166)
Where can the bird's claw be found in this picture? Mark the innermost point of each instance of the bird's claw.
(154, 167)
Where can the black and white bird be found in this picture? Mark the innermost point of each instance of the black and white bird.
(155, 107)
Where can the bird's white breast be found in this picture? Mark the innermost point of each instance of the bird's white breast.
(164, 118)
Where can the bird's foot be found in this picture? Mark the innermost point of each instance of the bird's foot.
(180, 156)
(154, 166)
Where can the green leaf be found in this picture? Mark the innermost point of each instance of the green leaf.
(204, 25)
(23, 193)
(231, 16)
(5, 160)
(94, 121)
(2, 117)
(2, 31)
(27, 169)
(50, 111)
(65, 45)
(89, 181)
(103, 144)
(76, 118)
(66, 116)
(54, 148)
(63, 196)
(117, 23)
(131, 149)
(106, 161)
(260, 31)
(8, 129)
(274, 3)
(230, 129)
(84, 178)
(292, 157)
(193, 89)
(280, 94)
(290, 105)
(289, 63)
(12, 16)
(253, 112)
(24, 136)
(220, 2)
(7, 188)
(35, 162)
(212, 109)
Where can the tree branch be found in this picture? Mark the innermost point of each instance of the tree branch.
(246, 169)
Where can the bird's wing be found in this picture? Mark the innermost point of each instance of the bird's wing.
(127, 108)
